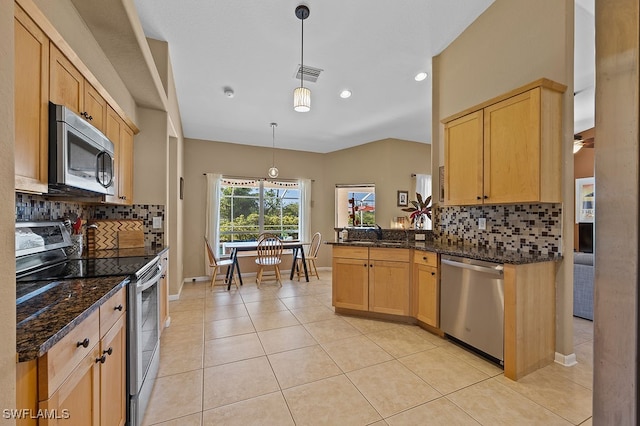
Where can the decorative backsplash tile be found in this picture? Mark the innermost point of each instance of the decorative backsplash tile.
(32, 208)
(524, 228)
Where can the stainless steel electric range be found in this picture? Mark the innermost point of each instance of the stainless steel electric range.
(42, 261)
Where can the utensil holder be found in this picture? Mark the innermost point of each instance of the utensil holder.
(78, 245)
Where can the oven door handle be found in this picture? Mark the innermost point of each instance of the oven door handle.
(152, 281)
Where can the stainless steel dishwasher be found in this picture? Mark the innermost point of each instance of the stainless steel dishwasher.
(472, 303)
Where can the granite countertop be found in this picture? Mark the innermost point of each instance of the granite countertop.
(51, 309)
(479, 253)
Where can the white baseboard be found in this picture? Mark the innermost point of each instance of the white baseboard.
(566, 360)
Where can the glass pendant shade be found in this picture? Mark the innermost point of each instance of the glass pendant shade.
(273, 172)
(302, 99)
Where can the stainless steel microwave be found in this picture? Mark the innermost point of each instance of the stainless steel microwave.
(80, 156)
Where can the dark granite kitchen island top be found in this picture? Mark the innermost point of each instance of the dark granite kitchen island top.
(46, 311)
(479, 253)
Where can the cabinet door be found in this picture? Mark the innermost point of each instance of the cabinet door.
(113, 395)
(351, 283)
(31, 104)
(66, 84)
(512, 149)
(125, 183)
(78, 398)
(164, 292)
(389, 287)
(463, 160)
(122, 137)
(95, 107)
(428, 294)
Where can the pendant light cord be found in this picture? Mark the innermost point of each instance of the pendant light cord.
(273, 139)
(302, 54)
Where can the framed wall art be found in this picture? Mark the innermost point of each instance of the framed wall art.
(585, 200)
(403, 198)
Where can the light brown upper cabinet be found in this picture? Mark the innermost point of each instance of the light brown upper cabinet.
(506, 150)
(122, 137)
(31, 104)
(68, 87)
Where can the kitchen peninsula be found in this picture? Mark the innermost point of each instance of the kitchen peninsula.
(395, 279)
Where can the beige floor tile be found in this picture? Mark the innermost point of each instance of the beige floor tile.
(179, 335)
(231, 349)
(391, 388)
(265, 306)
(237, 381)
(366, 325)
(180, 358)
(195, 290)
(304, 365)
(438, 412)
(224, 312)
(582, 331)
(175, 396)
(228, 327)
(186, 305)
(582, 372)
(270, 409)
(491, 403)
(428, 336)
(187, 317)
(560, 395)
(294, 290)
(379, 423)
(285, 339)
(258, 294)
(300, 302)
(222, 298)
(331, 330)
(443, 371)
(190, 420)
(475, 360)
(400, 341)
(588, 422)
(356, 352)
(332, 401)
(313, 313)
(271, 320)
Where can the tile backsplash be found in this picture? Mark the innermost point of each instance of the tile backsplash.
(524, 228)
(31, 208)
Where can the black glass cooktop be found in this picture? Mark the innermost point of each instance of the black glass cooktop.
(88, 268)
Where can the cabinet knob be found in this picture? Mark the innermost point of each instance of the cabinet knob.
(118, 308)
(371, 266)
(108, 351)
(424, 257)
(478, 198)
(485, 197)
(102, 359)
(365, 265)
(433, 273)
(84, 343)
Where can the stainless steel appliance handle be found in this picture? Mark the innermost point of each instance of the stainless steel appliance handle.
(498, 270)
(140, 287)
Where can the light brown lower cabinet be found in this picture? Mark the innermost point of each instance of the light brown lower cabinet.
(371, 279)
(426, 287)
(81, 380)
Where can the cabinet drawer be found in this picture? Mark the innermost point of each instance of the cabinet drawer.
(111, 310)
(427, 258)
(351, 252)
(391, 254)
(56, 365)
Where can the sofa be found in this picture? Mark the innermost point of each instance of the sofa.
(583, 285)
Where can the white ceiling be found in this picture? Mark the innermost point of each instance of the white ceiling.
(372, 47)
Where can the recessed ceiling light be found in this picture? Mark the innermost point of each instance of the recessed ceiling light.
(345, 94)
(421, 76)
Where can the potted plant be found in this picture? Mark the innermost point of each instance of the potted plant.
(419, 210)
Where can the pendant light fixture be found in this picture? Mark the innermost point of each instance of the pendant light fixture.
(273, 171)
(302, 95)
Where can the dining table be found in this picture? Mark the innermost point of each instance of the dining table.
(238, 246)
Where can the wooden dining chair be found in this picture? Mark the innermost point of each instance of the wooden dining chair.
(269, 255)
(217, 264)
(310, 257)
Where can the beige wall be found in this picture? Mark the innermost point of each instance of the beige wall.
(387, 163)
(615, 348)
(7, 215)
(511, 44)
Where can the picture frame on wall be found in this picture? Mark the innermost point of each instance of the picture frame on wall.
(403, 198)
(585, 200)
